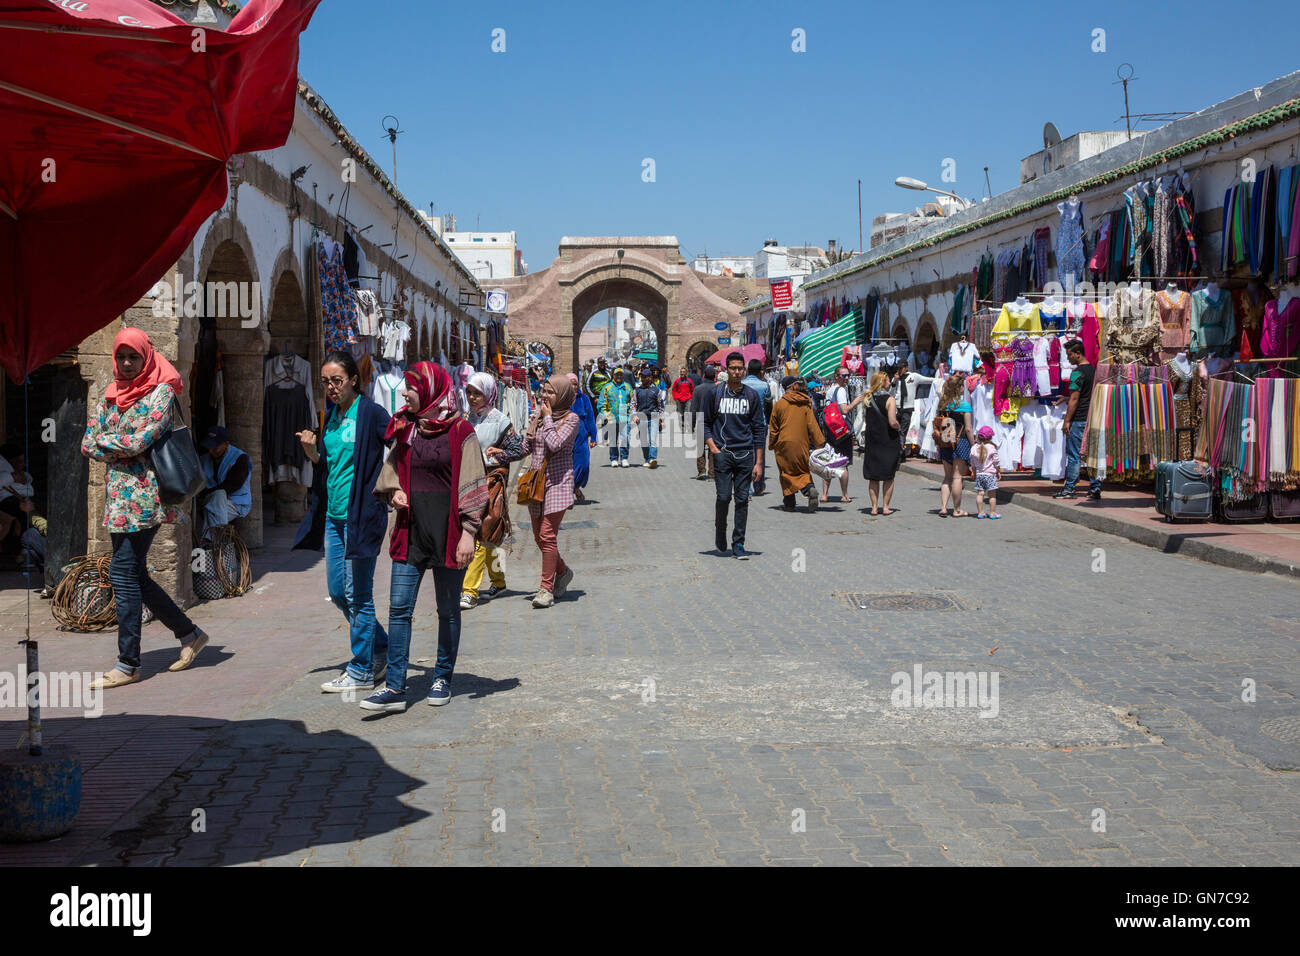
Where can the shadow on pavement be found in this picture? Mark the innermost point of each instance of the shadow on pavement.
(255, 789)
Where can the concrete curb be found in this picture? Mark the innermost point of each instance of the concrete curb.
(1178, 539)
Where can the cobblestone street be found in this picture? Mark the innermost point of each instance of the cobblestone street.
(683, 708)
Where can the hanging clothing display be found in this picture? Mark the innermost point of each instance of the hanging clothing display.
(1133, 326)
(1014, 318)
(338, 304)
(1280, 335)
(1070, 254)
(1212, 323)
(367, 312)
(288, 407)
(394, 335)
(386, 392)
(1175, 313)
(1187, 389)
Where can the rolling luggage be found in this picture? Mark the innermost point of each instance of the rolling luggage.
(1254, 508)
(1184, 490)
(1284, 505)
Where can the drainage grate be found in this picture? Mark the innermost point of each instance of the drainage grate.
(1283, 728)
(904, 601)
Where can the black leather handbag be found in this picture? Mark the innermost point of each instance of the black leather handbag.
(176, 462)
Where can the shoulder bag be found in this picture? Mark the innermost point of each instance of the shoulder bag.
(176, 463)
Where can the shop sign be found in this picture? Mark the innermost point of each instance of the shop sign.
(782, 295)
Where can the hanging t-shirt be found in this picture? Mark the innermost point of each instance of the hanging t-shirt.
(387, 391)
(340, 444)
(395, 335)
(963, 359)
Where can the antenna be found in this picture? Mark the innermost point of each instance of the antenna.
(392, 131)
(1124, 77)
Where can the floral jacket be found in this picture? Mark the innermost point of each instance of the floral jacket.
(122, 439)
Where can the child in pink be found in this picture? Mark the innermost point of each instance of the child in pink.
(984, 462)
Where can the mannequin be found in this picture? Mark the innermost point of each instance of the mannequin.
(1284, 297)
(1187, 390)
(1134, 289)
(1050, 304)
(1211, 289)
(1021, 305)
(1171, 288)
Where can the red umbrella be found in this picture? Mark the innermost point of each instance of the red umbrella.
(751, 351)
(118, 121)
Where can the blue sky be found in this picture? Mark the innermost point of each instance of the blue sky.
(751, 140)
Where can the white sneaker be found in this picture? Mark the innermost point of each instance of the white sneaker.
(467, 601)
(544, 599)
(346, 682)
(563, 581)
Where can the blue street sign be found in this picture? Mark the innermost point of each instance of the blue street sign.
(725, 340)
(721, 326)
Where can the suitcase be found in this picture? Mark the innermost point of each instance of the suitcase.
(1184, 490)
(1254, 508)
(1284, 505)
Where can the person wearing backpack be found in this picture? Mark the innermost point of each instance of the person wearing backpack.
(952, 436)
(837, 401)
(501, 445)
(682, 390)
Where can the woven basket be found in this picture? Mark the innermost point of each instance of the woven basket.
(83, 600)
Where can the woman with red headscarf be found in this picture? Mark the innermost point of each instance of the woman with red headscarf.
(136, 411)
(436, 480)
(549, 441)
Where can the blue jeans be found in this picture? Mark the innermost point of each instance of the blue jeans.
(648, 434)
(128, 571)
(733, 476)
(1074, 458)
(352, 589)
(618, 438)
(402, 595)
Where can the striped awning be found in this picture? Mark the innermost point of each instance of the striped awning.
(819, 354)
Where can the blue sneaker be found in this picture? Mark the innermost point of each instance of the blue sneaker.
(740, 552)
(385, 700)
(440, 692)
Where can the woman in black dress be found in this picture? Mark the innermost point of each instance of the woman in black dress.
(882, 448)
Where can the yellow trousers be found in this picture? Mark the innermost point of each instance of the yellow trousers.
(488, 559)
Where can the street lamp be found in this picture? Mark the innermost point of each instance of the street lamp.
(907, 182)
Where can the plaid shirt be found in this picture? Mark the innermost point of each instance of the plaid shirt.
(557, 441)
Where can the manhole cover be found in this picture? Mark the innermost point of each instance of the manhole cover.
(1283, 728)
(905, 601)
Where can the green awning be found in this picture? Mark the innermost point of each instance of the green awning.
(649, 356)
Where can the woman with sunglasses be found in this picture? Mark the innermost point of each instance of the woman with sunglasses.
(346, 520)
(435, 480)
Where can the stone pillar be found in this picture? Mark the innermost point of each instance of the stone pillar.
(68, 474)
(242, 355)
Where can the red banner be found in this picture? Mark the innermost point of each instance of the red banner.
(782, 295)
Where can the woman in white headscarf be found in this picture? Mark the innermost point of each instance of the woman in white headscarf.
(501, 445)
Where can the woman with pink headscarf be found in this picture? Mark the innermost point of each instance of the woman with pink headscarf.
(136, 411)
(585, 440)
(549, 440)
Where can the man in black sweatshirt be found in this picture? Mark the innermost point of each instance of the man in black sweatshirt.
(735, 430)
(648, 406)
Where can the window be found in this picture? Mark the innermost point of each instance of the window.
(478, 238)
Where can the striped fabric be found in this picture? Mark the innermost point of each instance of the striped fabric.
(819, 354)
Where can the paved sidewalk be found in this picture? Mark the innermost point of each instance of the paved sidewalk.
(682, 707)
(1272, 546)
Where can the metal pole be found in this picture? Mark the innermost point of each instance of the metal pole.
(859, 215)
(1127, 125)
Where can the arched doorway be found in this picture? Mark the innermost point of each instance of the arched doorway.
(230, 293)
(290, 344)
(698, 352)
(620, 291)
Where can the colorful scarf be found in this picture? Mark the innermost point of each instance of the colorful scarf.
(438, 408)
(125, 392)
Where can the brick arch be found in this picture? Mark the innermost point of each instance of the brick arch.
(229, 229)
(927, 331)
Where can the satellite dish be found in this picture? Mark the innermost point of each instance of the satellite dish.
(1050, 135)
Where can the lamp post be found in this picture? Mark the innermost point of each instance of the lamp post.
(907, 182)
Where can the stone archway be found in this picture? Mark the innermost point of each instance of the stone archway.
(620, 286)
(698, 351)
(243, 350)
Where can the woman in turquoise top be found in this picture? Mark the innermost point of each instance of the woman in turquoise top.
(346, 518)
(956, 460)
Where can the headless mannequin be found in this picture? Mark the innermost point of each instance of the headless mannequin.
(1134, 290)
(1020, 306)
(1212, 290)
(1284, 297)
(1051, 305)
